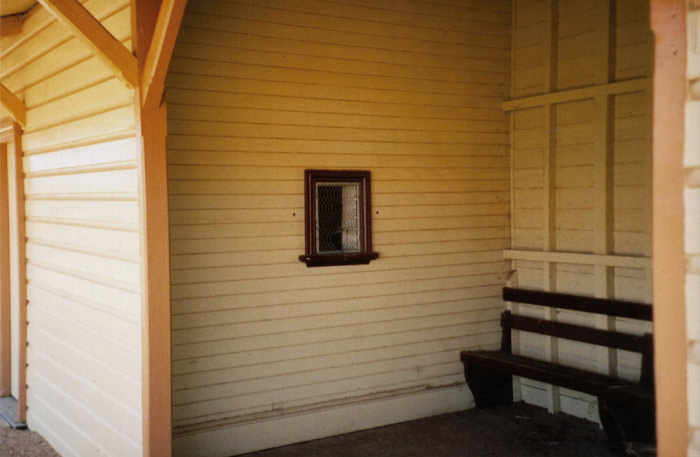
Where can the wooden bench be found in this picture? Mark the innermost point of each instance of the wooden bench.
(627, 409)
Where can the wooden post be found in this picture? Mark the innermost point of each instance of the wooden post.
(156, 349)
(668, 21)
(5, 342)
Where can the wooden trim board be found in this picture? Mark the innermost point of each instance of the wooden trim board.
(156, 377)
(668, 21)
(160, 52)
(578, 258)
(5, 357)
(621, 87)
(13, 105)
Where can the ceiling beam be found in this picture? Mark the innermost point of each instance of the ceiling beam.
(160, 51)
(13, 105)
(10, 25)
(102, 43)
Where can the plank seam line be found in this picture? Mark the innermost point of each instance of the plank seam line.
(402, 358)
(61, 95)
(102, 196)
(416, 13)
(353, 32)
(348, 44)
(400, 24)
(320, 56)
(81, 116)
(75, 60)
(83, 249)
(61, 368)
(224, 367)
(481, 73)
(99, 362)
(92, 278)
(84, 302)
(103, 225)
(421, 382)
(94, 415)
(194, 428)
(199, 90)
(89, 141)
(82, 169)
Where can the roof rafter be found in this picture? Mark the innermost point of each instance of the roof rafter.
(102, 43)
(13, 105)
(10, 25)
(160, 51)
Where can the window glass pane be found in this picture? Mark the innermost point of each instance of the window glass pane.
(337, 217)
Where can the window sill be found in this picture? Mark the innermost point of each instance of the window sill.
(327, 260)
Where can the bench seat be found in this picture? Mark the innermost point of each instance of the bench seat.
(626, 408)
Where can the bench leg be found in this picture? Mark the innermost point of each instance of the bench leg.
(488, 387)
(626, 418)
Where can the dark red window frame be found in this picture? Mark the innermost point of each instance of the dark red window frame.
(312, 258)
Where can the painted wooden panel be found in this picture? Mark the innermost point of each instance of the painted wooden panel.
(257, 93)
(83, 240)
(574, 141)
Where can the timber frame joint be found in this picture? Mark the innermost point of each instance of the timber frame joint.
(101, 42)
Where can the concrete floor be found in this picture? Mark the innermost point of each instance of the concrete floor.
(23, 443)
(506, 431)
(517, 430)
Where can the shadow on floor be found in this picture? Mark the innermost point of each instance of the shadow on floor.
(517, 430)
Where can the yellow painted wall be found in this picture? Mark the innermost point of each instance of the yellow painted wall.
(82, 228)
(265, 350)
(578, 64)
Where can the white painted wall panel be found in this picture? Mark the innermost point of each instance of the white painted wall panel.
(573, 131)
(82, 228)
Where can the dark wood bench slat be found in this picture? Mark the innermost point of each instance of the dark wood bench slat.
(568, 377)
(617, 308)
(634, 343)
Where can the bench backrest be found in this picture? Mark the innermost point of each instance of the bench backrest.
(642, 344)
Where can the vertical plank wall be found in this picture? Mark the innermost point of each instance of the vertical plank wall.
(267, 351)
(578, 59)
(82, 229)
(692, 227)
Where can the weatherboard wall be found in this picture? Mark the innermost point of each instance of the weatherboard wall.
(82, 236)
(265, 350)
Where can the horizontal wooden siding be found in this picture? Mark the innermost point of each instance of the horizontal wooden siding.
(259, 91)
(82, 227)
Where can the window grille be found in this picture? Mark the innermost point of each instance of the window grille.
(337, 217)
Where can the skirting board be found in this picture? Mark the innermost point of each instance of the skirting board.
(249, 437)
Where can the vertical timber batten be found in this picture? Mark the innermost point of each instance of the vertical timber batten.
(604, 130)
(21, 274)
(151, 125)
(549, 192)
(668, 21)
